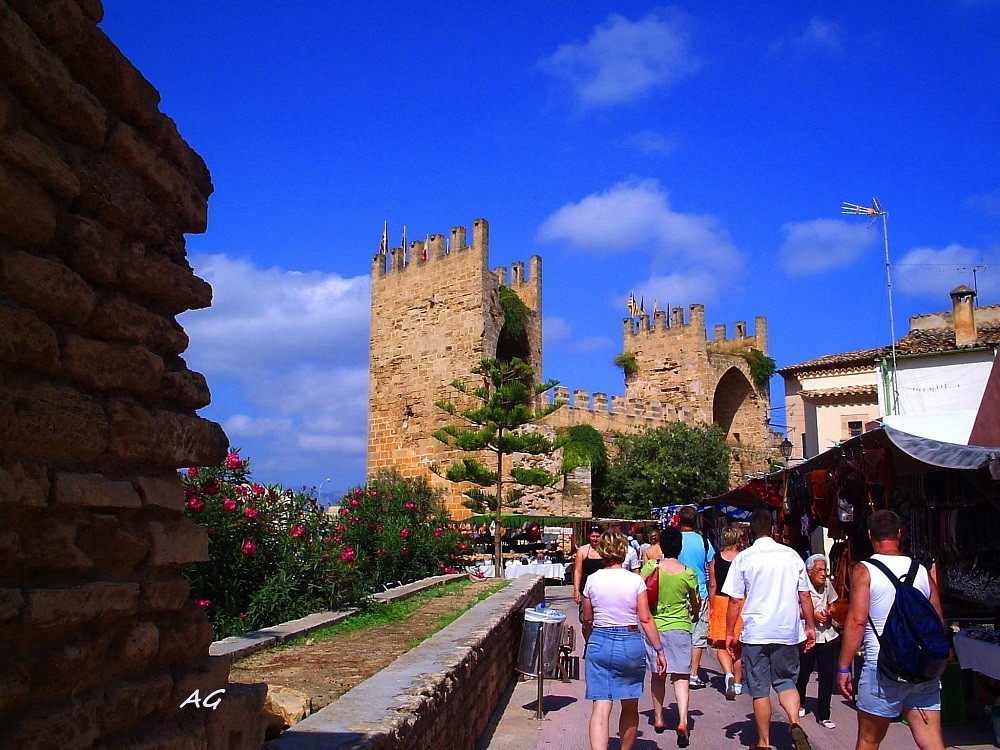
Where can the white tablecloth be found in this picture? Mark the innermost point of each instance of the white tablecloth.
(516, 570)
(549, 570)
(979, 656)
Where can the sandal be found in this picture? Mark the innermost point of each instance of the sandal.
(659, 729)
(799, 738)
(683, 737)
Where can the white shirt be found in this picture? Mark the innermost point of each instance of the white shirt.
(883, 595)
(613, 593)
(631, 560)
(769, 577)
(825, 631)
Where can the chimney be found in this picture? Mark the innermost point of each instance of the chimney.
(964, 314)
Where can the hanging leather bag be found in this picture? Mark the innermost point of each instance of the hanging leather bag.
(653, 589)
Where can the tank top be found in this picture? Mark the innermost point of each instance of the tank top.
(590, 565)
(721, 571)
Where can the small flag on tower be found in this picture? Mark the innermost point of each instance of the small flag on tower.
(632, 307)
(642, 305)
(383, 247)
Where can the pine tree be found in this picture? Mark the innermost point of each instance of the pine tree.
(505, 402)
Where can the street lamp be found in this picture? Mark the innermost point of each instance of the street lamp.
(786, 450)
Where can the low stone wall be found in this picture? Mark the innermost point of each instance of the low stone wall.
(440, 694)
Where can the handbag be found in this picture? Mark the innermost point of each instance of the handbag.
(653, 588)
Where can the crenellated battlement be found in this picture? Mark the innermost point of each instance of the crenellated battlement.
(435, 249)
(620, 406)
(676, 326)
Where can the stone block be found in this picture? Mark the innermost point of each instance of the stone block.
(57, 725)
(23, 482)
(116, 197)
(185, 388)
(207, 676)
(26, 340)
(27, 213)
(44, 84)
(91, 249)
(170, 284)
(106, 367)
(163, 438)
(134, 650)
(11, 602)
(49, 543)
(40, 161)
(46, 286)
(116, 546)
(182, 543)
(128, 701)
(184, 642)
(50, 421)
(164, 134)
(117, 319)
(290, 704)
(162, 492)
(238, 723)
(92, 601)
(161, 596)
(94, 491)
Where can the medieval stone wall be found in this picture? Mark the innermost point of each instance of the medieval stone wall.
(99, 642)
(435, 314)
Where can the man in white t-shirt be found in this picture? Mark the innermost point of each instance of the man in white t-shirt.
(879, 700)
(771, 580)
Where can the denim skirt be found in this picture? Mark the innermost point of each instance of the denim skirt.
(616, 664)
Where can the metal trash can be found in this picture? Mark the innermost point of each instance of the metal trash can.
(535, 622)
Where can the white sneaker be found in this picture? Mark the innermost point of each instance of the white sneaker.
(828, 723)
(802, 712)
(738, 688)
(730, 691)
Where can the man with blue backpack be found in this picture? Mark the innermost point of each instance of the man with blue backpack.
(896, 612)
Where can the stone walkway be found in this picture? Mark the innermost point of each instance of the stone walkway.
(715, 722)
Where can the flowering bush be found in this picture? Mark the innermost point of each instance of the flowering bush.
(396, 529)
(274, 554)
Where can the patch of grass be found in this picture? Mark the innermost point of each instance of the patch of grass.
(377, 614)
(446, 620)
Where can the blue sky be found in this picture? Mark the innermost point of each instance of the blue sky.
(691, 153)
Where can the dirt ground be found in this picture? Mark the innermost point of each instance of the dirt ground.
(328, 669)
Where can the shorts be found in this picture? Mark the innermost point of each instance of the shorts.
(616, 664)
(699, 638)
(770, 665)
(676, 650)
(717, 619)
(881, 697)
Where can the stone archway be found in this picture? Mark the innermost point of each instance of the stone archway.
(736, 404)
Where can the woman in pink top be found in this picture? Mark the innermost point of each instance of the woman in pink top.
(615, 606)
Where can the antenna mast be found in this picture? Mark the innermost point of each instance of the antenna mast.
(875, 211)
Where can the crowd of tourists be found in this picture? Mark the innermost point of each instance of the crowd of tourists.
(655, 606)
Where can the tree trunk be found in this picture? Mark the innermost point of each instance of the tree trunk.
(497, 548)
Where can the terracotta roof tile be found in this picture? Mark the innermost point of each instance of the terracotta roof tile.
(849, 390)
(928, 340)
(838, 361)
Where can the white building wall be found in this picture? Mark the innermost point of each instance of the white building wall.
(942, 383)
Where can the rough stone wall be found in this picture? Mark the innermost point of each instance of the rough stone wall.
(99, 642)
(434, 316)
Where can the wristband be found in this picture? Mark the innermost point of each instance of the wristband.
(658, 650)
(843, 671)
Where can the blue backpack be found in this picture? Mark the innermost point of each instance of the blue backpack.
(913, 646)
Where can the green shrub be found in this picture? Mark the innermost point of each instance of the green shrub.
(273, 555)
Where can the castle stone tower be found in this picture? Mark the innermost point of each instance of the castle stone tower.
(435, 313)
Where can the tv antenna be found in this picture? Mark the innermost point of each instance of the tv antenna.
(875, 211)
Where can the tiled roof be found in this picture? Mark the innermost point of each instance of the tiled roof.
(838, 361)
(927, 340)
(849, 390)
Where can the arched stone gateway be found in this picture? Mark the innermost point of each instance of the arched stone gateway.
(736, 407)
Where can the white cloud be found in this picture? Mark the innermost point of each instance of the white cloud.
(286, 357)
(820, 245)
(819, 35)
(624, 60)
(987, 203)
(651, 142)
(931, 272)
(679, 288)
(557, 333)
(636, 217)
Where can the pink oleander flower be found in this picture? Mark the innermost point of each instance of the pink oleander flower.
(297, 531)
(195, 503)
(192, 471)
(211, 486)
(347, 554)
(410, 506)
(438, 532)
(250, 512)
(258, 489)
(339, 528)
(243, 616)
(249, 548)
(345, 511)
(380, 552)
(404, 533)
(372, 493)
(355, 502)
(450, 570)
(242, 490)
(463, 545)
(336, 538)
(405, 551)
(229, 504)
(380, 528)
(203, 603)
(233, 461)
